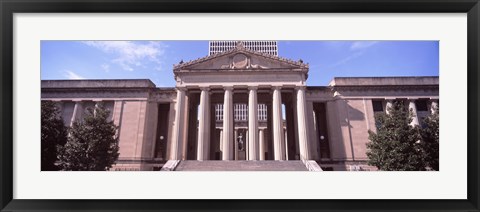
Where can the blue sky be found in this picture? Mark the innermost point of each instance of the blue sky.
(154, 59)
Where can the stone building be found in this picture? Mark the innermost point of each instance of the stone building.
(243, 105)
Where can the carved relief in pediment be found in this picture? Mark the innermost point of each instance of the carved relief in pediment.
(242, 61)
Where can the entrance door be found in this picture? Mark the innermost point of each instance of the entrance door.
(162, 131)
(321, 117)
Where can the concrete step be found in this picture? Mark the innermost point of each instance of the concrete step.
(266, 165)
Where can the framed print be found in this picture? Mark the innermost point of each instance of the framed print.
(268, 105)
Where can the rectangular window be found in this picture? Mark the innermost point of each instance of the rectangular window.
(377, 105)
(377, 108)
(259, 112)
(219, 112)
(236, 112)
(265, 110)
(240, 112)
(262, 112)
(421, 105)
(243, 113)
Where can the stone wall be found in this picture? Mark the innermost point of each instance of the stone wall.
(350, 113)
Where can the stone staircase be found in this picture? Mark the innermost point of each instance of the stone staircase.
(266, 165)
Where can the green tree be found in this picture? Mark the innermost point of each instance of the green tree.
(396, 144)
(92, 144)
(54, 133)
(430, 138)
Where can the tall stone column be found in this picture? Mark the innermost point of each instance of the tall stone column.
(433, 105)
(261, 145)
(413, 108)
(277, 124)
(388, 105)
(221, 140)
(203, 144)
(177, 135)
(252, 123)
(227, 124)
(247, 145)
(285, 149)
(236, 144)
(186, 125)
(77, 112)
(97, 105)
(302, 123)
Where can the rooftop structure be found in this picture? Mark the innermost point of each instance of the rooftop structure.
(269, 47)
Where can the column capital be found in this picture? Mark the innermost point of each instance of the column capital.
(205, 88)
(301, 87)
(277, 87)
(228, 88)
(253, 88)
(181, 88)
(412, 99)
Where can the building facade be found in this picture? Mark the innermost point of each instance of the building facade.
(263, 46)
(241, 104)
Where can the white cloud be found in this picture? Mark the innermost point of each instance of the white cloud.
(347, 59)
(130, 54)
(72, 75)
(358, 48)
(359, 45)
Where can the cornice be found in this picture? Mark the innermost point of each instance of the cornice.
(381, 87)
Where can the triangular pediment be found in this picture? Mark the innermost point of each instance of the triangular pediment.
(240, 59)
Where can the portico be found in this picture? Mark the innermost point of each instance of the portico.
(238, 133)
(243, 91)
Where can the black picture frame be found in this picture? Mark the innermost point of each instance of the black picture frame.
(9, 7)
